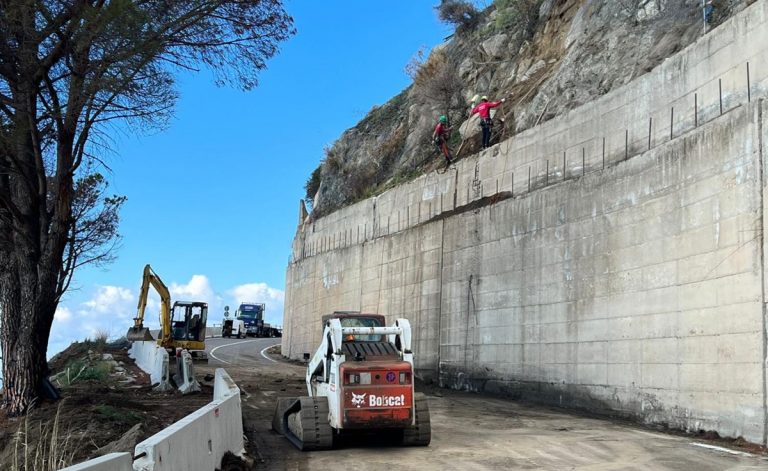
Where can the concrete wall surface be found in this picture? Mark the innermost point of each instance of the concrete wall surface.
(198, 441)
(153, 360)
(110, 462)
(610, 259)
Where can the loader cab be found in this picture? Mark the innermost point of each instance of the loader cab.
(364, 347)
(188, 320)
(356, 319)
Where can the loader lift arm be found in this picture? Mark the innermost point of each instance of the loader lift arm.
(330, 347)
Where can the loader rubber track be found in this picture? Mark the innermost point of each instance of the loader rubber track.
(420, 434)
(304, 422)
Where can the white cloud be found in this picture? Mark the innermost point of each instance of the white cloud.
(198, 289)
(112, 308)
(260, 293)
(113, 301)
(63, 314)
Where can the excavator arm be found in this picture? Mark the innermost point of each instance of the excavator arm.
(138, 331)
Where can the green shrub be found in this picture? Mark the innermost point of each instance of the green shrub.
(100, 339)
(333, 159)
(518, 15)
(461, 14)
(78, 370)
(312, 185)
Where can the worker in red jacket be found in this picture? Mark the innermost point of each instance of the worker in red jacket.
(484, 110)
(440, 138)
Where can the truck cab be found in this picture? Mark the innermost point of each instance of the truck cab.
(252, 316)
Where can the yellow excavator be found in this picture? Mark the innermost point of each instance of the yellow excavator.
(181, 326)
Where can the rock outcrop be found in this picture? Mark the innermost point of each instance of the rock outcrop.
(579, 50)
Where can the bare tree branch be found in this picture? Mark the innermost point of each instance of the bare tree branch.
(67, 70)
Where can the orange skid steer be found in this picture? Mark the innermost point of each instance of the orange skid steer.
(360, 378)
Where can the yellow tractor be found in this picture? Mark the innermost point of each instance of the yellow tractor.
(181, 326)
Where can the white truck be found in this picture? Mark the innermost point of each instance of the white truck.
(232, 327)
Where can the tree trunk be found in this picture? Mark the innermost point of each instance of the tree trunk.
(30, 264)
(24, 341)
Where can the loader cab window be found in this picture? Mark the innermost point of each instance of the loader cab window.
(361, 322)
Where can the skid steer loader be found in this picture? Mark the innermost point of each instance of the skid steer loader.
(360, 378)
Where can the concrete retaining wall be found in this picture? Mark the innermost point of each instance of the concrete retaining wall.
(610, 259)
(154, 361)
(110, 462)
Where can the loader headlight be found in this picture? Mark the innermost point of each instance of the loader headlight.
(359, 378)
(404, 378)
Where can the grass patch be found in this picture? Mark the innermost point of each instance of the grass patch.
(118, 415)
(78, 370)
(43, 446)
(99, 341)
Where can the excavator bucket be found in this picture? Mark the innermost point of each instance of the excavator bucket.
(139, 334)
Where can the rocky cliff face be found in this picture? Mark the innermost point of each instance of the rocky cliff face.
(568, 53)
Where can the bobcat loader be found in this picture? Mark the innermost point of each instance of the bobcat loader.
(360, 378)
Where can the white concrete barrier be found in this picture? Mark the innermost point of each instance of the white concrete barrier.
(185, 376)
(198, 441)
(153, 360)
(110, 462)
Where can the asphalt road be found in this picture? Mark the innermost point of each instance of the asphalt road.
(239, 352)
(469, 431)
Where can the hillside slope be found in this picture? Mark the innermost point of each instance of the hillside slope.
(562, 55)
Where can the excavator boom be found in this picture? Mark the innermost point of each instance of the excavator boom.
(138, 332)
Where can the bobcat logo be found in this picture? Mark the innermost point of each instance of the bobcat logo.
(358, 399)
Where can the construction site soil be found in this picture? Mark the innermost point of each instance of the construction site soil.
(113, 413)
(107, 405)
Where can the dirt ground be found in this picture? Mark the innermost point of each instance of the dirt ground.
(103, 410)
(471, 431)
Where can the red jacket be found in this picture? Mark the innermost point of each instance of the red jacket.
(484, 108)
(440, 129)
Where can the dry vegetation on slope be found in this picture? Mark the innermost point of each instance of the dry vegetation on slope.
(546, 56)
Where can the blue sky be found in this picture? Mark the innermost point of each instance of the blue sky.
(213, 198)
